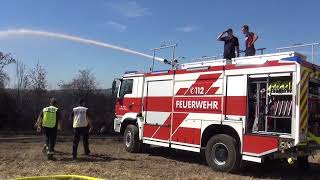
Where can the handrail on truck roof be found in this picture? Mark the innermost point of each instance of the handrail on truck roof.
(313, 45)
(248, 60)
(205, 60)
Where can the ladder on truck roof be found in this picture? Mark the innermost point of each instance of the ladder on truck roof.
(248, 60)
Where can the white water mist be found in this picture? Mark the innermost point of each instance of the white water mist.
(15, 32)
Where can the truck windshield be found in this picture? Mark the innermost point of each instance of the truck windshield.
(126, 87)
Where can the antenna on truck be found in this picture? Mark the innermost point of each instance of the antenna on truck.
(172, 62)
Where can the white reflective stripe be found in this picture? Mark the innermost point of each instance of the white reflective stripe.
(252, 159)
(80, 117)
(234, 117)
(186, 148)
(185, 144)
(261, 154)
(158, 140)
(273, 69)
(157, 143)
(50, 109)
(204, 116)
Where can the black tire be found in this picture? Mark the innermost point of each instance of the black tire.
(303, 163)
(131, 139)
(222, 153)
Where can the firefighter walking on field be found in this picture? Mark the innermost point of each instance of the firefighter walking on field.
(82, 127)
(49, 119)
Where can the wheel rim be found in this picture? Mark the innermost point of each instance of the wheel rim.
(128, 138)
(219, 154)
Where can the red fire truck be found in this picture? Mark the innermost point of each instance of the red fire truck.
(245, 109)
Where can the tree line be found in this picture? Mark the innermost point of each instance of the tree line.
(21, 104)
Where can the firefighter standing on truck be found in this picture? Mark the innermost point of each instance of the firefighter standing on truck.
(231, 44)
(49, 119)
(82, 127)
(250, 39)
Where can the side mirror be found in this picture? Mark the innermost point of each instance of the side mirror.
(114, 84)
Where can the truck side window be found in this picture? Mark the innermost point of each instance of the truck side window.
(126, 87)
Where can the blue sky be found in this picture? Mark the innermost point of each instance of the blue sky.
(142, 25)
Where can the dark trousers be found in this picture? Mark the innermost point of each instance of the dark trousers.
(51, 136)
(250, 52)
(78, 132)
(229, 56)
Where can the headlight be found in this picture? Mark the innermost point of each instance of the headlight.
(285, 144)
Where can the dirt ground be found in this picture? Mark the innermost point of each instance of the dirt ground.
(22, 156)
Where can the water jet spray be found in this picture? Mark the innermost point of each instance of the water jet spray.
(16, 32)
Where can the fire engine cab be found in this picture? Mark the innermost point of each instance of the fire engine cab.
(245, 109)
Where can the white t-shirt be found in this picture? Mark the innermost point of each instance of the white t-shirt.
(80, 117)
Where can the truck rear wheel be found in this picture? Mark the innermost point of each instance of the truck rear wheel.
(131, 139)
(222, 153)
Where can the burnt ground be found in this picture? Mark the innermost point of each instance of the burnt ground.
(21, 156)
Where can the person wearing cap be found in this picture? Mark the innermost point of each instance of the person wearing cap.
(49, 119)
(231, 44)
(250, 39)
(82, 126)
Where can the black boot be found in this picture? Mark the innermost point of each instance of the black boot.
(50, 156)
(87, 153)
(74, 153)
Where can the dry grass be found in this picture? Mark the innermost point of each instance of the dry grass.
(109, 160)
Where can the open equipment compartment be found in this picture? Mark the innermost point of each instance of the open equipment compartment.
(270, 104)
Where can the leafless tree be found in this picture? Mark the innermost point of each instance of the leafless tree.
(38, 79)
(22, 78)
(4, 79)
(5, 59)
(22, 82)
(84, 83)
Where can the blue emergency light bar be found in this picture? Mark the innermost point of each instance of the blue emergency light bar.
(293, 58)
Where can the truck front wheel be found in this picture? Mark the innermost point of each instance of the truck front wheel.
(222, 153)
(131, 139)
